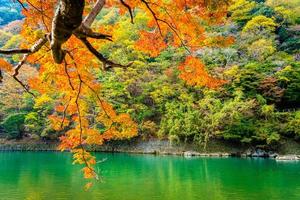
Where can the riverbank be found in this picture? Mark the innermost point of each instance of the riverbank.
(216, 148)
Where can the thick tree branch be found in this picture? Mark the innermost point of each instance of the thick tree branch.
(37, 46)
(107, 64)
(84, 30)
(85, 33)
(90, 18)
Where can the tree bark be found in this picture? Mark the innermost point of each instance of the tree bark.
(68, 17)
(88, 20)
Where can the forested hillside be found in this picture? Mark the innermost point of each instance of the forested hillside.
(257, 103)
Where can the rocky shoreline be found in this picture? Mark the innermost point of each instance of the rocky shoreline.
(160, 147)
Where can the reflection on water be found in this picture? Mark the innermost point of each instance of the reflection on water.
(48, 175)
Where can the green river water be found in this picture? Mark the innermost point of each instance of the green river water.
(51, 176)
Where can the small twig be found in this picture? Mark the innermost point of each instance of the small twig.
(99, 99)
(64, 113)
(36, 47)
(68, 75)
(40, 11)
(16, 73)
(129, 10)
(154, 15)
(22, 5)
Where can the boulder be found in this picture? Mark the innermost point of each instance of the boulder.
(288, 157)
(190, 153)
(272, 154)
(260, 153)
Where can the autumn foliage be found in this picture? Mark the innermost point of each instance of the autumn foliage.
(194, 73)
(177, 23)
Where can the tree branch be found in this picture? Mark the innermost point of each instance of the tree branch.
(16, 73)
(14, 51)
(89, 19)
(22, 5)
(107, 64)
(85, 32)
(67, 18)
(129, 9)
(37, 46)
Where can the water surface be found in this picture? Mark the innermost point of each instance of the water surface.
(51, 176)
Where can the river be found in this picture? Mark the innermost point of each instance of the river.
(51, 176)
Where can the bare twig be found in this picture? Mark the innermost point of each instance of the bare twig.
(68, 75)
(16, 73)
(22, 5)
(129, 9)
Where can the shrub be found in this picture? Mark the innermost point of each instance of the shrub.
(14, 125)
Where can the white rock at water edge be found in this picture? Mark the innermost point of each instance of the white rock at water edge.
(288, 157)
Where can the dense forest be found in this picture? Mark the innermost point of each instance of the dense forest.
(258, 104)
(238, 82)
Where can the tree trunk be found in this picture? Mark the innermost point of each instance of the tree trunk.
(67, 18)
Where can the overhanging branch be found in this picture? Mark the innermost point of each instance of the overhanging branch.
(90, 18)
(14, 51)
(36, 47)
(107, 64)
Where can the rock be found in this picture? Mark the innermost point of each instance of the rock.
(194, 153)
(288, 157)
(225, 155)
(235, 154)
(272, 154)
(214, 155)
(243, 155)
(190, 153)
(249, 153)
(259, 153)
